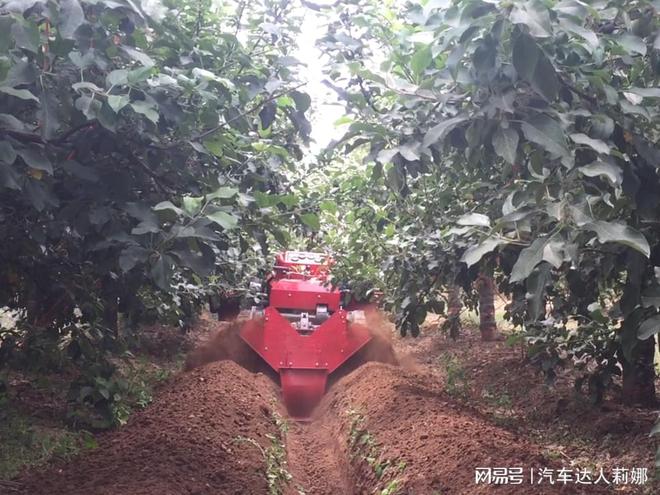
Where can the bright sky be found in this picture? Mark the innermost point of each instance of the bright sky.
(326, 109)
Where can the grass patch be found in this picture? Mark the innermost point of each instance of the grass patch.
(26, 443)
(470, 318)
(456, 380)
(500, 400)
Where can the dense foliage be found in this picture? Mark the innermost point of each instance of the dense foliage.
(142, 165)
(148, 158)
(517, 139)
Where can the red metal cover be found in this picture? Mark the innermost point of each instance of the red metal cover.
(302, 295)
(304, 361)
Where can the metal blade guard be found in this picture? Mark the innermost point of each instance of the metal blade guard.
(304, 334)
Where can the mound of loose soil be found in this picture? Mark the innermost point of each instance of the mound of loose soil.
(429, 443)
(183, 443)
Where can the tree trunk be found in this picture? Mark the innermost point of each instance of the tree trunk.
(638, 378)
(454, 311)
(639, 375)
(487, 324)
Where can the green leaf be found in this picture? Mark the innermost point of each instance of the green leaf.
(602, 126)
(47, 114)
(311, 220)
(645, 92)
(8, 177)
(138, 56)
(117, 102)
(35, 159)
(631, 109)
(547, 133)
(632, 44)
(25, 34)
(146, 226)
(287, 199)
(6, 40)
(553, 252)
(147, 109)
(223, 192)
(421, 60)
(86, 85)
(23, 94)
(201, 262)
(649, 327)
(168, 205)
(621, 233)
(117, 77)
(303, 100)
(473, 254)
(7, 153)
(285, 102)
(612, 172)
(595, 144)
(131, 256)
(438, 132)
(534, 15)
(139, 75)
(89, 106)
(161, 272)
(589, 36)
(194, 232)
(281, 236)
(79, 171)
(265, 200)
(545, 80)
(71, 17)
(386, 156)
(328, 206)
(477, 219)
(12, 123)
(346, 119)
(410, 150)
(535, 295)
(505, 143)
(651, 297)
(226, 220)
(192, 205)
(210, 76)
(525, 56)
(532, 65)
(214, 146)
(528, 259)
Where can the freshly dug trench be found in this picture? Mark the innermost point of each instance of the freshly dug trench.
(226, 344)
(184, 442)
(397, 428)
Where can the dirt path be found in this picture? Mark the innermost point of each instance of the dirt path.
(315, 460)
(382, 429)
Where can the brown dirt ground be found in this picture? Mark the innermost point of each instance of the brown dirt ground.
(380, 426)
(183, 443)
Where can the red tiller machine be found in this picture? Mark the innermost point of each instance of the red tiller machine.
(304, 333)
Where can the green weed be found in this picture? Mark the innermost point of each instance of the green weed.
(457, 383)
(25, 443)
(391, 489)
(277, 472)
(498, 399)
(362, 444)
